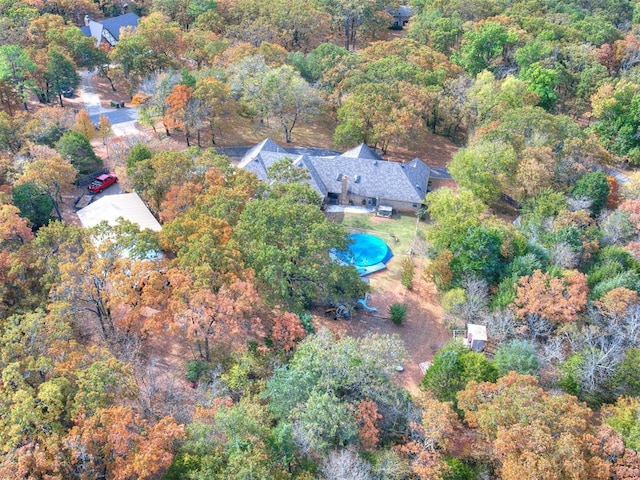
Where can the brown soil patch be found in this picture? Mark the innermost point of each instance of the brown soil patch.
(423, 331)
(106, 93)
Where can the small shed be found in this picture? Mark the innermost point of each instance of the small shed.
(476, 337)
(384, 211)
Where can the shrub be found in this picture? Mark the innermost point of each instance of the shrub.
(398, 312)
(408, 272)
(195, 369)
(592, 186)
(516, 355)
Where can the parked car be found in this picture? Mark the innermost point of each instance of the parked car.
(67, 92)
(101, 182)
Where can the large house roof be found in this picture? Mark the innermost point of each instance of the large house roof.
(367, 173)
(116, 23)
(111, 207)
(112, 25)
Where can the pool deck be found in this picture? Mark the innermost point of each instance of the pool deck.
(350, 209)
(364, 271)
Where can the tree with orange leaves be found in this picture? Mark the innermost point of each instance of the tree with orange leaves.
(559, 300)
(532, 434)
(367, 416)
(430, 438)
(286, 330)
(229, 314)
(116, 443)
(176, 115)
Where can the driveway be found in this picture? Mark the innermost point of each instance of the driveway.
(122, 119)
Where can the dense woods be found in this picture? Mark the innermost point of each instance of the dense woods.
(542, 98)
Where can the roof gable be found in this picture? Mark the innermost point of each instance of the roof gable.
(116, 23)
(361, 151)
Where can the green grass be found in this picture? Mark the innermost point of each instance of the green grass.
(401, 226)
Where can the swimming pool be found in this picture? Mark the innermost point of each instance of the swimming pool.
(365, 251)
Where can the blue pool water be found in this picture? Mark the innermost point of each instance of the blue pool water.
(366, 250)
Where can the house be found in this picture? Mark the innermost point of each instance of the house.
(356, 177)
(110, 28)
(401, 15)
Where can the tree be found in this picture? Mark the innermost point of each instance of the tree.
(215, 316)
(616, 106)
(104, 128)
(556, 299)
(116, 443)
(11, 137)
(34, 203)
(481, 46)
(138, 153)
(287, 243)
(624, 417)
(16, 67)
(485, 169)
(320, 389)
(479, 253)
(290, 98)
(76, 149)
(593, 187)
(452, 213)
(452, 368)
(213, 96)
(516, 355)
(533, 433)
(352, 16)
(53, 174)
(373, 113)
(60, 74)
(84, 125)
(177, 112)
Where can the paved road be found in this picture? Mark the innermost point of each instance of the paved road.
(122, 119)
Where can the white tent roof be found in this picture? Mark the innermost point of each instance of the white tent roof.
(111, 207)
(477, 332)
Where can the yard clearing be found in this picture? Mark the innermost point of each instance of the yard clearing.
(423, 331)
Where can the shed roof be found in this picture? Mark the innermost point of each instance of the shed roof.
(111, 207)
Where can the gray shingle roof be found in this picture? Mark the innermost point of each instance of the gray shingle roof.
(379, 179)
(113, 25)
(116, 23)
(361, 151)
(368, 174)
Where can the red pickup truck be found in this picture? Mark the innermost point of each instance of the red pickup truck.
(101, 182)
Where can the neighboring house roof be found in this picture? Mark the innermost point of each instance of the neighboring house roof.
(110, 28)
(401, 11)
(368, 174)
(111, 207)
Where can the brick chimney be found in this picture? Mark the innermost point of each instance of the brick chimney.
(344, 192)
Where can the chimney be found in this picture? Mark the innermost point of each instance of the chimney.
(344, 193)
(86, 20)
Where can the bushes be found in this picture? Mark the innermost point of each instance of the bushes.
(408, 272)
(195, 369)
(398, 312)
(75, 148)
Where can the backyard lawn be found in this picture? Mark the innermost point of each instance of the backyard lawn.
(423, 331)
